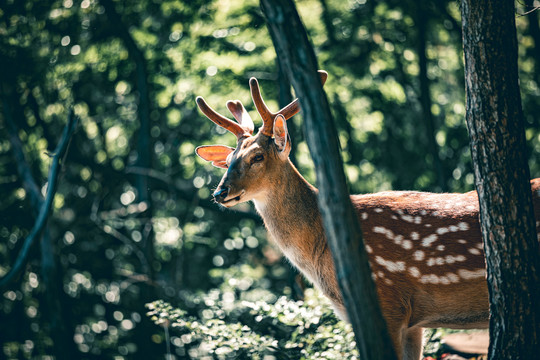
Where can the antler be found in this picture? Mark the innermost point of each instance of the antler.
(241, 115)
(268, 116)
(240, 130)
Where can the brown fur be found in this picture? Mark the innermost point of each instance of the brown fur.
(425, 249)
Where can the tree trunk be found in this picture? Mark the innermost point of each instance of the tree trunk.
(497, 140)
(144, 148)
(339, 219)
(425, 94)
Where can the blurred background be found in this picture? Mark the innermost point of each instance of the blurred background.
(133, 219)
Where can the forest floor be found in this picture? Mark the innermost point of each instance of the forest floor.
(457, 345)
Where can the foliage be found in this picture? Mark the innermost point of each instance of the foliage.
(116, 252)
(283, 329)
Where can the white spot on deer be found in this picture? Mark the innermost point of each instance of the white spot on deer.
(428, 240)
(475, 274)
(415, 235)
(432, 278)
(399, 211)
(380, 274)
(419, 255)
(413, 270)
(407, 218)
(480, 246)
(378, 210)
(406, 244)
(435, 261)
(423, 212)
(388, 282)
(394, 217)
(453, 228)
(452, 277)
(364, 216)
(373, 276)
(463, 226)
(444, 280)
(369, 249)
(462, 241)
(392, 266)
(442, 230)
(379, 230)
(450, 259)
(428, 225)
(440, 247)
(417, 220)
(435, 213)
(388, 233)
(474, 251)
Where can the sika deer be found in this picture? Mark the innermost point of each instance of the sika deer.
(425, 249)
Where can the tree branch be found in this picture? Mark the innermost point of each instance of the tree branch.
(52, 181)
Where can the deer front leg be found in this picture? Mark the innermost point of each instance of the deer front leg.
(397, 310)
(412, 343)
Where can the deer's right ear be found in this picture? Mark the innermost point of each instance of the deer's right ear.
(281, 135)
(217, 154)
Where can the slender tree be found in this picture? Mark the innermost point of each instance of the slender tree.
(342, 228)
(497, 141)
(60, 330)
(144, 149)
(425, 93)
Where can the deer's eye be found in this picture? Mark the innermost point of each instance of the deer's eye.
(258, 158)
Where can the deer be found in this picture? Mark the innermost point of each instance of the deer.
(425, 249)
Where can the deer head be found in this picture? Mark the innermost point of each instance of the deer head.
(251, 165)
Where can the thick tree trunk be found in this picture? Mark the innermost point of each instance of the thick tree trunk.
(497, 138)
(340, 222)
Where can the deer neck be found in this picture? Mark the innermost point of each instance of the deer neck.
(291, 215)
(289, 207)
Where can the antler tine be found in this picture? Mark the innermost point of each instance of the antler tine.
(241, 115)
(293, 108)
(266, 115)
(221, 120)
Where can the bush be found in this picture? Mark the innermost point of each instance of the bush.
(225, 328)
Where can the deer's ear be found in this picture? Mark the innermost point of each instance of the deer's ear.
(281, 135)
(217, 154)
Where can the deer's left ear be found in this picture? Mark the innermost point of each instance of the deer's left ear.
(217, 154)
(281, 136)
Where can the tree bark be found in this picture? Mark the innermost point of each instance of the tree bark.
(497, 141)
(339, 219)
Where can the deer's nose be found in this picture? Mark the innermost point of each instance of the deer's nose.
(221, 194)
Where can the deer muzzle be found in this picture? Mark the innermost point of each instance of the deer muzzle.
(221, 194)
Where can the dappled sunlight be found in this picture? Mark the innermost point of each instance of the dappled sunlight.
(133, 219)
